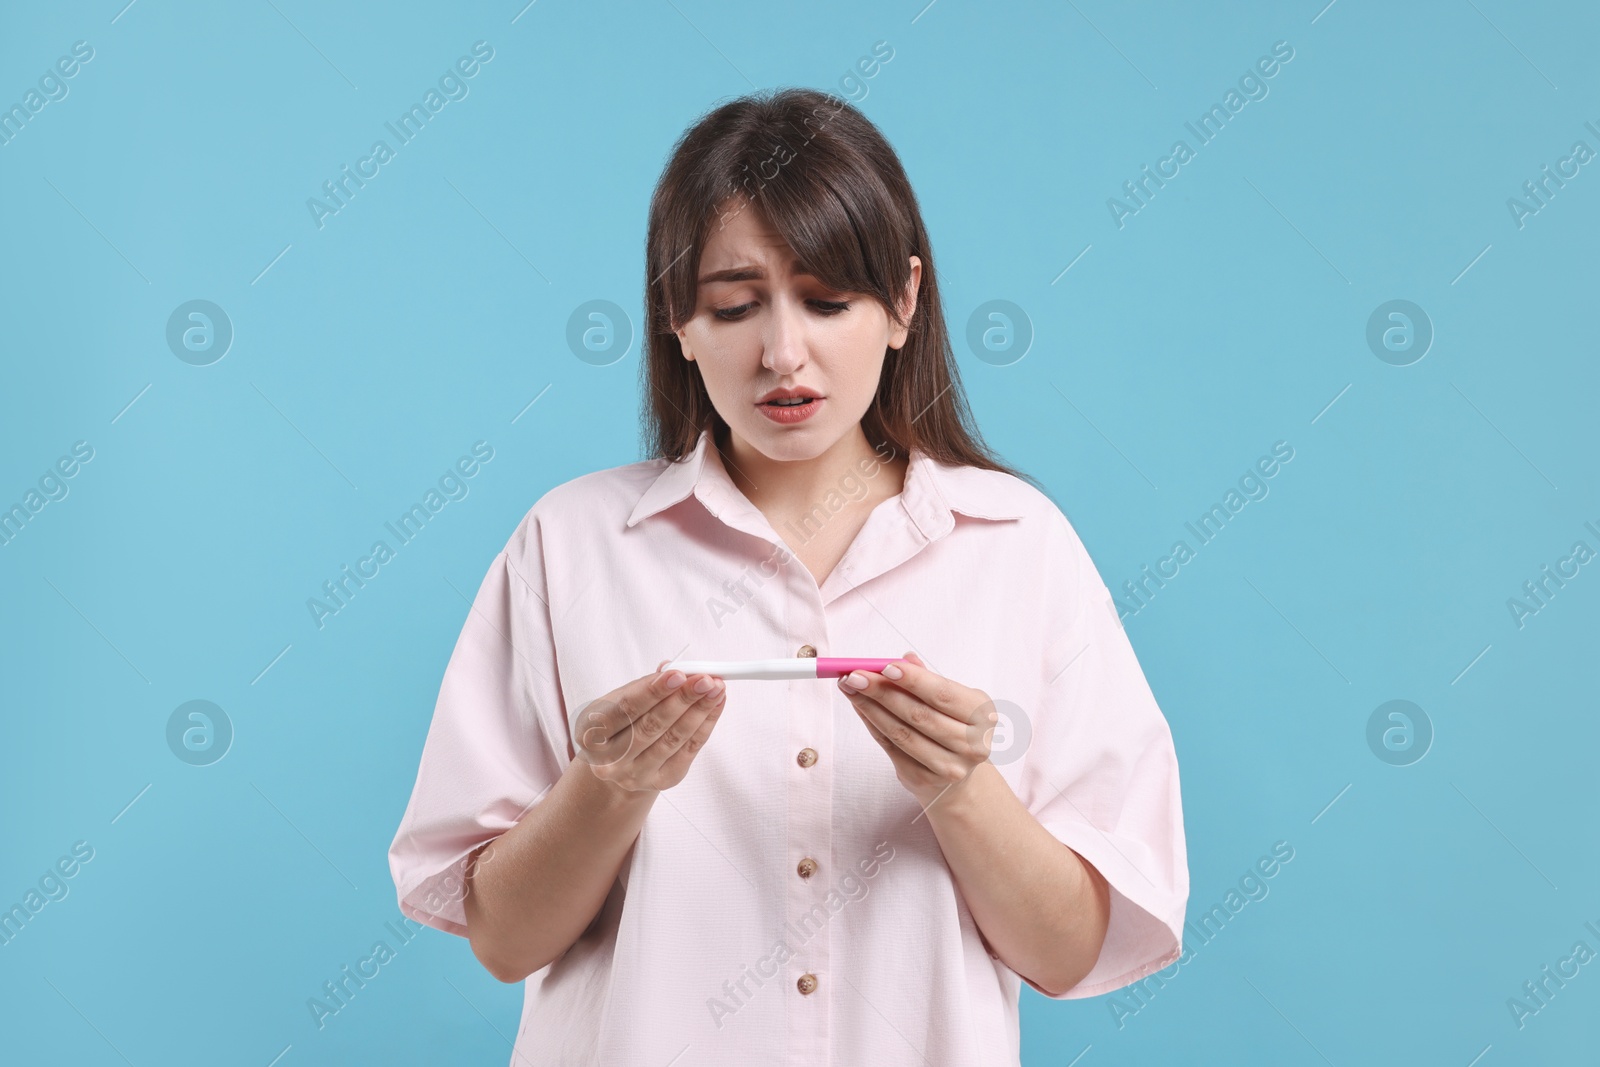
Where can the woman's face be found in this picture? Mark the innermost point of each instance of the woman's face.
(761, 324)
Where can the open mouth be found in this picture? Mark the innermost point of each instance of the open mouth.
(791, 410)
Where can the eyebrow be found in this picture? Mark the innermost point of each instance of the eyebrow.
(749, 274)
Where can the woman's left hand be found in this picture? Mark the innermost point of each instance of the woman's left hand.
(936, 731)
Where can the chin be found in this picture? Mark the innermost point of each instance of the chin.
(790, 443)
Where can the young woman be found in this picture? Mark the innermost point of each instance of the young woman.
(689, 870)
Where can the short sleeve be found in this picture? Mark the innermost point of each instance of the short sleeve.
(1100, 772)
(497, 742)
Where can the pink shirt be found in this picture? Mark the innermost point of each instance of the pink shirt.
(791, 849)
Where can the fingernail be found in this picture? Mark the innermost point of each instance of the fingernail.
(892, 671)
(856, 679)
(675, 679)
(704, 685)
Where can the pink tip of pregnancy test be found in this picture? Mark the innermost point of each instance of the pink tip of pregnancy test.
(837, 668)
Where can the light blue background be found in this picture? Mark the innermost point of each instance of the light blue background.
(426, 315)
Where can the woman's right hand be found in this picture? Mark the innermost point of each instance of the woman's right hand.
(642, 736)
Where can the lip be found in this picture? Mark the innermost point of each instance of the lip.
(788, 416)
(789, 394)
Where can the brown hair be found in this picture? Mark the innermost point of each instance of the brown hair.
(823, 176)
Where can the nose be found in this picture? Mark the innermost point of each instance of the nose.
(785, 341)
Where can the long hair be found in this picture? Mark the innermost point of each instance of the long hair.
(823, 176)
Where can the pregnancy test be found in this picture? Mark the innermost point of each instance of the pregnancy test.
(774, 669)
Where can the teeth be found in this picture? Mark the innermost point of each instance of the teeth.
(796, 402)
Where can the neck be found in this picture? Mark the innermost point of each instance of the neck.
(793, 487)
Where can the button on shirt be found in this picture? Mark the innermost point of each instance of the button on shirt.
(788, 902)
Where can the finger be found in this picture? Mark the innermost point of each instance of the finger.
(945, 730)
(638, 697)
(676, 765)
(966, 738)
(935, 761)
(610, 729)
(877, 734)
(896, 732)
(898, 759)
(674, 733)
(912, 674)
(601, 721)
(656, 721)
(936, 691)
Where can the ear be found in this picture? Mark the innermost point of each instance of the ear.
(908, 306)
(683, 344)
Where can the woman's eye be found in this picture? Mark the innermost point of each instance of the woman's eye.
(826, 307)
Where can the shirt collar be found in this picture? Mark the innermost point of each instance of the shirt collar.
(932, 492)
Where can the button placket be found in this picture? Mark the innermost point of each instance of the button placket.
(810, 826)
